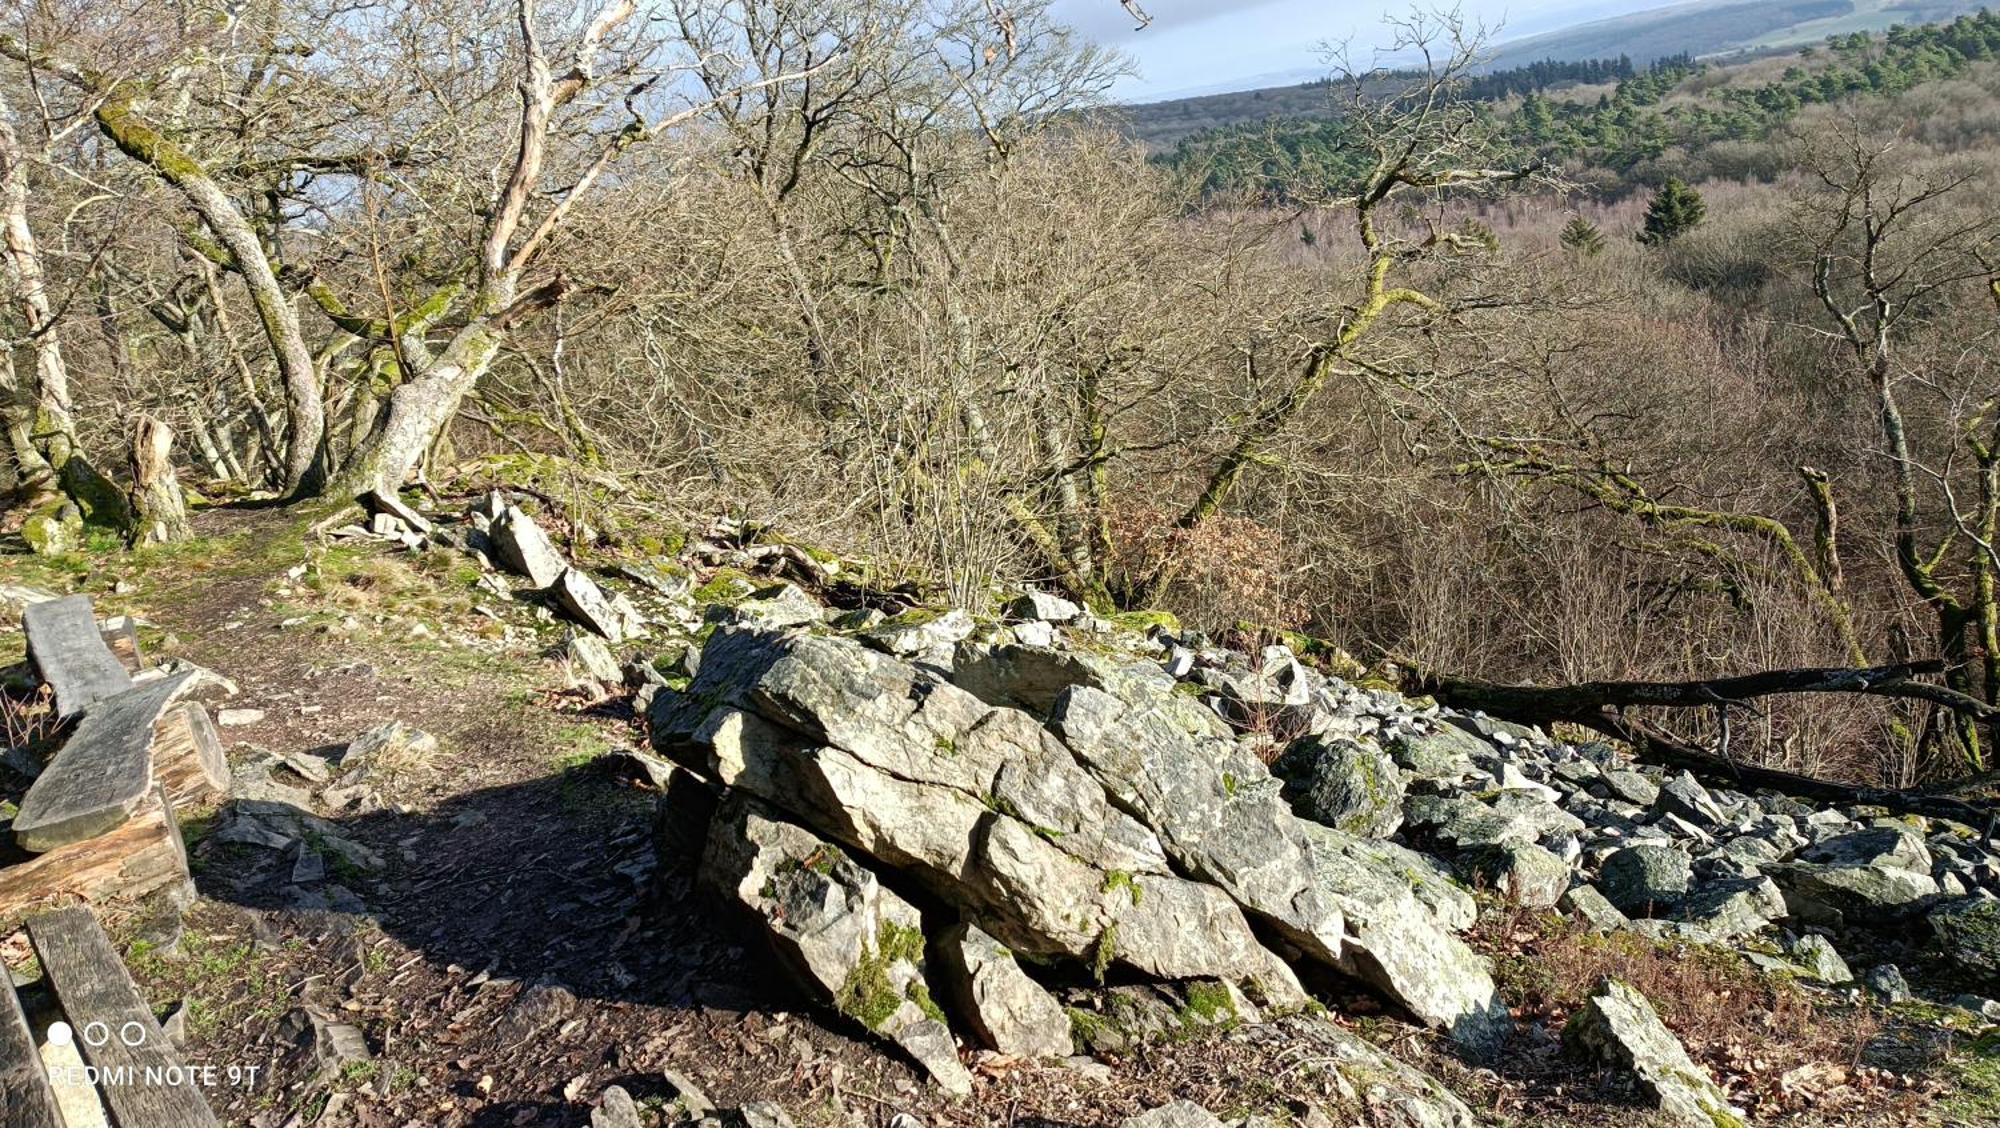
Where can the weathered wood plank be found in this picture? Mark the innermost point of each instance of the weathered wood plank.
(26, 1098)
(70, 654)
(102, 774)
(187, 756)
(123, 865)
(92, 986)
(122, 636)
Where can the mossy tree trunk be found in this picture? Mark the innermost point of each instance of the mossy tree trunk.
(41, 423)
(159, 510)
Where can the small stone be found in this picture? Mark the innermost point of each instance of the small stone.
(1817, 956)
(524, 549)
(584, 602)
(331, 1046)
(615, 1109)
(592, 657)
(1685, 797)
(1041, 607)
(1179, 1114)
(778, 607)
(1886, 982)
(1033, 633)
(692, 1100)
(1596, 910)
(762, 1114)
(1632, 787)
(238, 718)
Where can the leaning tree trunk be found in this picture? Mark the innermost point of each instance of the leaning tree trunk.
(159, 511)
(419, 410)
(137, 138)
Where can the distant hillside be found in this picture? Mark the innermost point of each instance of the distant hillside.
(1704, 28)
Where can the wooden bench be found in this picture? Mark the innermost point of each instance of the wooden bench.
(103, 774)
(140, 1077)
(71, 656)
(98, 824)
(26, 1098)
(144, 856)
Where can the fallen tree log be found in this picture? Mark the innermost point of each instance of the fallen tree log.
(1560, 702)
(1599, 706)
(122, 865)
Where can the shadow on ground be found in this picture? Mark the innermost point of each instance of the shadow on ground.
(540, 916)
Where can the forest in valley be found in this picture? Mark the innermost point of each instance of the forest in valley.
(1570, 373)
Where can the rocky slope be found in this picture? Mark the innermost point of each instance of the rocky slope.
(1065, 869)
(1064, 802)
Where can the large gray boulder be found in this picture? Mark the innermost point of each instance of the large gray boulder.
(833, 926)
(1522, 873)
(1216, 809)
(584, 602)
(1007, 1010)
(1401, 947)
(1345, 784)
(1444, 752)
(775, 608)
(1646, 878)
(1877, 874)
(982, 806)
(1684, 796)
(1618, 1029)
(1728, 909)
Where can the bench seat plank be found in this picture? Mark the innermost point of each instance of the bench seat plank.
(70, 655)
(91, 984)
(26, 1098)
(102, 774)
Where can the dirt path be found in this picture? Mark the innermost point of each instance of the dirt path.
(511, 960)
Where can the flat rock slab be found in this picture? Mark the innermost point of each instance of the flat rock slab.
(102, 775)
(92, 986)
(70, 654)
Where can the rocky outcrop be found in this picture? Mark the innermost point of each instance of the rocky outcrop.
(1344, 784)
(1071, 800)
(983, 806)
(1131, 830)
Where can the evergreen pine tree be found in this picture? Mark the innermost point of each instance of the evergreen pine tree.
(1582, 236)
(1675, 210)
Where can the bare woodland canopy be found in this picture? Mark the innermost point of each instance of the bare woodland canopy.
(864, 269)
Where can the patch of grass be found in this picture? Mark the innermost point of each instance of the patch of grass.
(1546, 966)
(867, 995)
(579, 744)
(1975, 1088)
(1209, 1004)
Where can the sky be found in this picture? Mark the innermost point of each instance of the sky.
(1206, 46)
